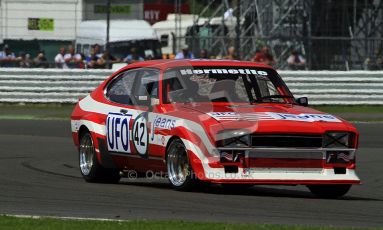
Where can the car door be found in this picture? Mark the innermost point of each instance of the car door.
(128, 130)
(146, 93)
(119, 119)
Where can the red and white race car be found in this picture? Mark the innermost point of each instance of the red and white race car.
(227, 122)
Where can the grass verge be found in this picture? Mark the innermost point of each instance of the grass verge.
(36, 111)
(11, 223)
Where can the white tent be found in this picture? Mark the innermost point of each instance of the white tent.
(91, 32)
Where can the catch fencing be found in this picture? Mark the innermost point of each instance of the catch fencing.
(66, 86)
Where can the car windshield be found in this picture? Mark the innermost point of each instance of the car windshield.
(224, 84)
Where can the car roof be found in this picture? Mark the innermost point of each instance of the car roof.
(168, 63)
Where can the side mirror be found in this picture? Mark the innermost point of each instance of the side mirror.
(303, 101)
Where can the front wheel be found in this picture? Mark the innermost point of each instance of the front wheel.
(329, 191)
(180, 172)
(90, 168)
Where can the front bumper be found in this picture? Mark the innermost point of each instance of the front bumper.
(282, 166)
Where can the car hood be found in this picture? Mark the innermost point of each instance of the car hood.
(272, 118)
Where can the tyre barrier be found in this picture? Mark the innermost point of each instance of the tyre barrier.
(66, 86)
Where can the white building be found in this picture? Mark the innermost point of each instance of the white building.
(58, 19)
(40, 19)
(32, 25)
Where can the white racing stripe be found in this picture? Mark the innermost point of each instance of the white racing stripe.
(90, 105)
(93, 126)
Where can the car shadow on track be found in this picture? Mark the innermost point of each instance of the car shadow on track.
(257, 190)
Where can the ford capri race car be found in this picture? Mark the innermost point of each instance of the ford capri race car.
(227, 122)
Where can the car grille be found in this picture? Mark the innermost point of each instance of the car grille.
(286, 141)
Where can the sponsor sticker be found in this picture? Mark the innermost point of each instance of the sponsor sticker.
(224, 115)
(230, 116)
(117, 132)
(162, 123)
(304, 117)
(76, 126)
(222, 71)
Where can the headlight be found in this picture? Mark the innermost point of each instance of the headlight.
(233, 138)
(338, 140)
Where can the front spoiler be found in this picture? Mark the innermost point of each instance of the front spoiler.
(246, 176)
(285, 182)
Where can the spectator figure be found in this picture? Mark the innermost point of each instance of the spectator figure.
(24, 60)
(133, 57)
(371, 64)
(149, 57)
(185, 54)
(91, 60)
(106, 60)
(72, 59)
(59, 59)
(168, 56)
(296, 61)
(204, 35)
(7, 58)
(264, 56)
(375, 62)
(97, 50)
(203, 54)
(230, 54)
(40, 61)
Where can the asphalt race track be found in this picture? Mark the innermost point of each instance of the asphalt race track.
(39, 176)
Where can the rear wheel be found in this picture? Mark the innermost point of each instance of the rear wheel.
(329, 191)
(179, 170)
(90, 168)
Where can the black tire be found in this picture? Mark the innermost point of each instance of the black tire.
(329, 191)
(91, 170)
(176, 154)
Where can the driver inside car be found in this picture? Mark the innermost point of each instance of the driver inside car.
(183, 90)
